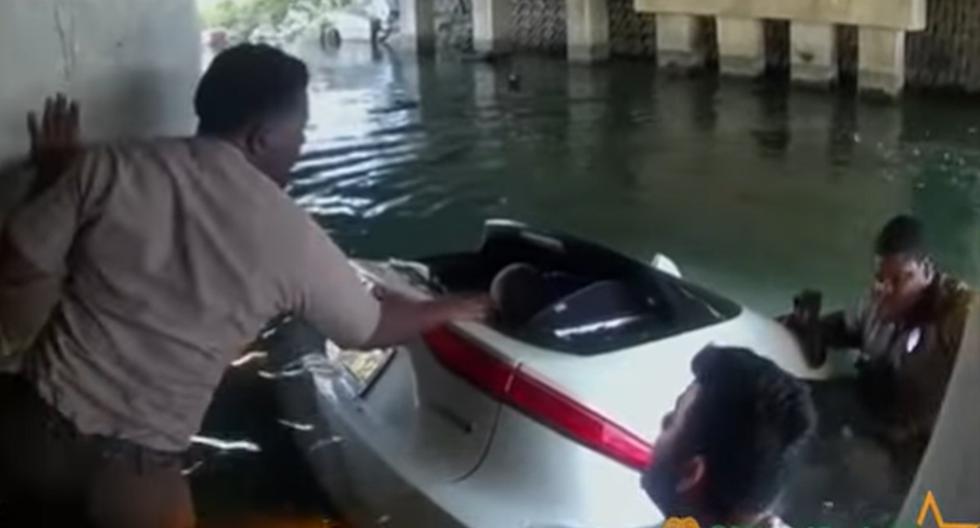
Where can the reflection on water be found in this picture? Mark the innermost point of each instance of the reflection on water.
(753, 190)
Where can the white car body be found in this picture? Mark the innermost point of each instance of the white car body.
(418, 445)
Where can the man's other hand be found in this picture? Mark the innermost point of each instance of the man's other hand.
(475, 308)
(55, 138)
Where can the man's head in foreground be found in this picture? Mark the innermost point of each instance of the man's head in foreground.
(903, 267)
(726, 449)
(254, 96)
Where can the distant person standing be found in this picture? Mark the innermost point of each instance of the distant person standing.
(908, 332)
(149, 266)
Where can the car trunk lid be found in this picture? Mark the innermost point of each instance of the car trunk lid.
(611, 402)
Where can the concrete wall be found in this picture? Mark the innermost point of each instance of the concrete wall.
(631, 33)
(540, 25)
(454, 24)
(133, 65)
(947, 53)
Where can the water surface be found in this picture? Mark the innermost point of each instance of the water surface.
(754, 190)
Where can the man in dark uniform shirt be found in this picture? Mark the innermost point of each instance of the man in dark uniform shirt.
(907, 330)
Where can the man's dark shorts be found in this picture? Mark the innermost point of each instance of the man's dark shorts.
(52, 475)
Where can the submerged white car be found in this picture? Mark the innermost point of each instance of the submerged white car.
(545, 421)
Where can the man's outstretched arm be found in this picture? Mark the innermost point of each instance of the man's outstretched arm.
(333, 298)
(403, 319)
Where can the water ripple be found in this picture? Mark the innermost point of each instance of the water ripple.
(407, 150)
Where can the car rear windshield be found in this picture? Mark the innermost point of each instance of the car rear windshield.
(570, 295)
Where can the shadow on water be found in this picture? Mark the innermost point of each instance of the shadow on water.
(245, 468)
(754, 190)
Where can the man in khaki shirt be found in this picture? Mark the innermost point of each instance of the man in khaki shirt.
(138, 274)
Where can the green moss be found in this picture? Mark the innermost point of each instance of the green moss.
(241, 17)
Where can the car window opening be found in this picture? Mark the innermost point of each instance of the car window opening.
(574, 296)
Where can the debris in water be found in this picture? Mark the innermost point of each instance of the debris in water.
(188, 471)
(296, 426)
(227, 445)
(283, 374)
(255, 355)
(325, 442)
(514, 82)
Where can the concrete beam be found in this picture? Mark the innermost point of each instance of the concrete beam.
(813, 53)
(881, 61)
(909, 15)
(741, 47)
(492, 28)
(418, 26)
(677, 42)
(588, 30)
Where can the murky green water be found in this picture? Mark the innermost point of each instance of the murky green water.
(755, 191)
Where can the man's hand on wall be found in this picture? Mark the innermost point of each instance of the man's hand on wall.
(55, 139)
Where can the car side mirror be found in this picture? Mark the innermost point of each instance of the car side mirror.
(663, 263)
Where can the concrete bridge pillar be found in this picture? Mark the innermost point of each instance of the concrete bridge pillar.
(882, 27)
(813, 53)
(678, 44)
(492, 28)
(881, 60)
(418, 26)
(741, 47)
(588, 30)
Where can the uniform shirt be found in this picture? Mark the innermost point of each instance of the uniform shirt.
(158, 263)
(905, 366)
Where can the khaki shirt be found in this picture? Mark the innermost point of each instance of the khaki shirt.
(906, 366)
(158, 263)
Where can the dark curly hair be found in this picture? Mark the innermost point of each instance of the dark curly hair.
(902, 235)
(749, 421)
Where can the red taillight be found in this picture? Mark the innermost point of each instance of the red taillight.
(516, 386)
(469, 362)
